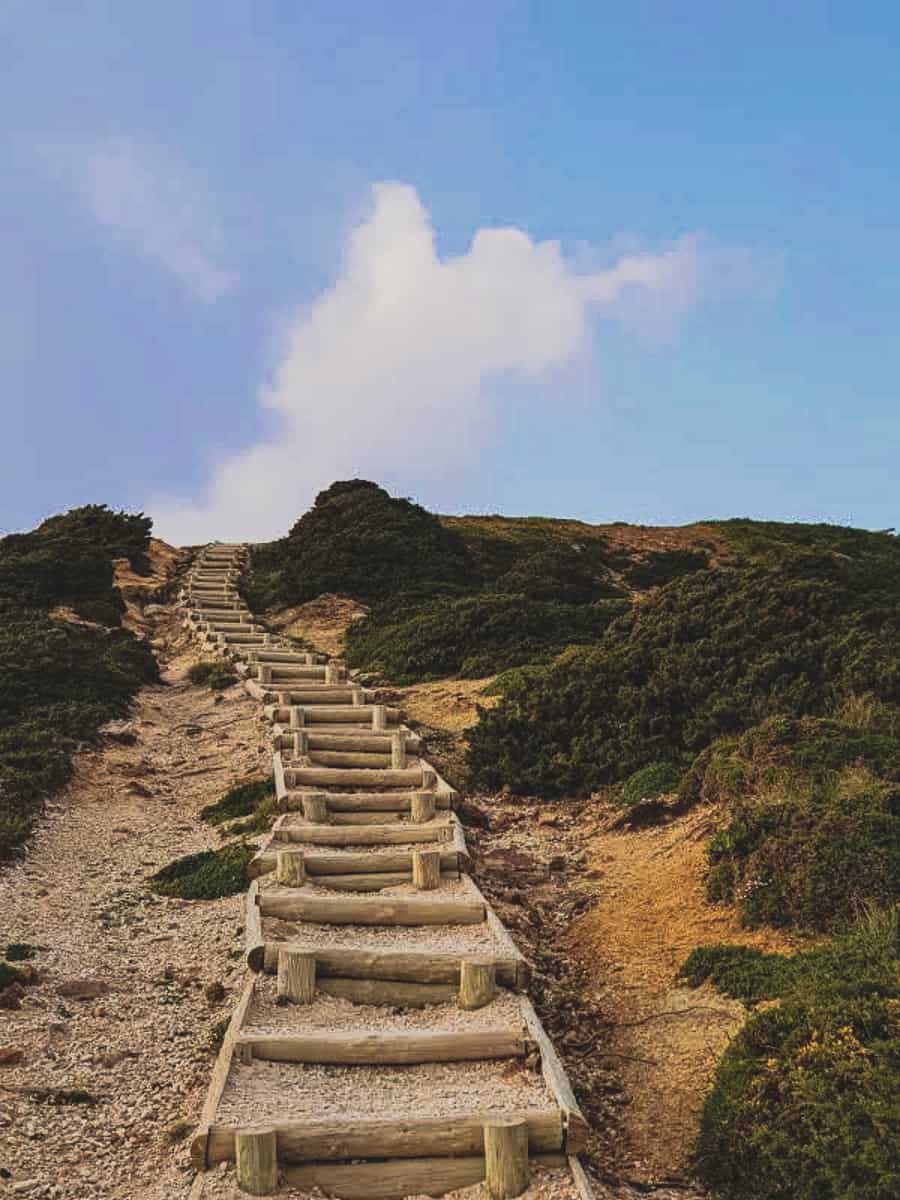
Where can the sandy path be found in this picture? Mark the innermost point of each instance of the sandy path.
(142, 1046)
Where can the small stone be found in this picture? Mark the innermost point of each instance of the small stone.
(214, 992)
(11, 1056)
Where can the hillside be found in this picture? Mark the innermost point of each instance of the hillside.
(736, 683)
(66, 664)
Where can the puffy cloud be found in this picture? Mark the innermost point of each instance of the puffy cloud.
(395, 363)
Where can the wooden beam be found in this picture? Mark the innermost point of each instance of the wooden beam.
(297, 905)
(312, 1141)
(557, 1081)
(361, 1049)
(395, 834)
(403, 965)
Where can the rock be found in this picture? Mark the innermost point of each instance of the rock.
(11, 1056)
(557, 863)
(119, 731)
(139, 789)
(214, 992)
(82, 989)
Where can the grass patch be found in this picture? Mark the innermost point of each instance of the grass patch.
(20, 951)
(805, 1101)
(241, 800)
(206, 875)
(8, 975)
(214, 674)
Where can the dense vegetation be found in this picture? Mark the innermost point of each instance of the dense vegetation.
(805, 1102)
(709, 654)
(59, 680)
(253, 800)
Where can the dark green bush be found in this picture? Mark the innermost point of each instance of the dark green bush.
(709, 654)
(206, 875)
(656, 779)
(358, 541)
(20, 951)
(470, 636)
(216, 675)
(239, 801)
(658, 567)
(805, 1101)
(8, 975)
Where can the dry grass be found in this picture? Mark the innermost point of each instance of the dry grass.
(321, 623)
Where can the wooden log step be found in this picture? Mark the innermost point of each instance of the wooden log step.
(327, 713)
(322, 866)
(388, 993)
(355, 741)
(297, 905)
(338, 777)
(402, 966)
(415, 1137)
(353, 802)
(362, 1049)
(396, 1179)
(349, 758)
(375, 882)
(364, 835)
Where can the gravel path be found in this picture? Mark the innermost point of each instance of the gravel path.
(139, 1045)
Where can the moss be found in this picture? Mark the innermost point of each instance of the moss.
(213, 674)
(241, 800)
(206, 875)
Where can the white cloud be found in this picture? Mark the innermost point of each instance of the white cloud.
(157, 205)
(394, 365)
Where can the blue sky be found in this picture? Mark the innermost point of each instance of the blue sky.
(681, 300)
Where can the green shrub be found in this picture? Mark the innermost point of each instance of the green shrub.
(20, 951)
(656, 779)
(743, 972)
(805, 1102)
(360, 542)
(239, 801)
(708, 655)
(8, 975)
(214, 674)
(206, 875)
(470, 636)
(659, 567)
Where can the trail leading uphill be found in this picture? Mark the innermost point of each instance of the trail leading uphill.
(383, 1045)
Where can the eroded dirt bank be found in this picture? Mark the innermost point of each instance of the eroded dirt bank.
(129, 985)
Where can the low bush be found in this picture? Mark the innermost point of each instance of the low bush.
(20, 951)
(214, 674)
(804, 1102)
(242, 800)
(656, 779)
(659, 567)
(471, 636)
(207, 875)
(708, 655)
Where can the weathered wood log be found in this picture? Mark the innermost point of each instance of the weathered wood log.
(297, 975)
(395, 910)
(376, 882)
(409, 966)
(426, 872)
(422, 807)
(328, 1141)
(297, 717)
(508, 948)
(256, 1160)
(557, 1081)
(391, 993)
(315, 809)
(400, 802)
(396, 1178)
(289, 868)
(398, 749)
(362, 818)
(321, 711)
(361, 1049)
(392, 834)
(369, 760)
(221, 1070)
(348, 777)
(506, 1158)
(300, 743)
(477, 983)
(253, 937)
(379, 716)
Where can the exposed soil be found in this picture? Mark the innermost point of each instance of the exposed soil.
(650, 911)
(321, 624)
